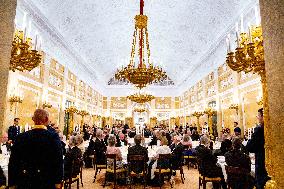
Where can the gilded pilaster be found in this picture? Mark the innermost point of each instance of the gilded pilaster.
(7, 16)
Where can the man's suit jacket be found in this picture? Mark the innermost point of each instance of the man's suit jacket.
(256, 145)
(137, 150)
(72, 155)
(13, 131)
(177, 153)
(100, 151)
(36, 160)
(208, 165)
(236, 158)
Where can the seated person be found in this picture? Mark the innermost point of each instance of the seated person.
(236, 158)
(154, 140)
(226, 146)
(208, 162)
(137, 149)
(111, 149)
(72, 159)
(162, 149)
(100, 148)
(177, 153)
(194, 135)
(186, 141)
(63, 145)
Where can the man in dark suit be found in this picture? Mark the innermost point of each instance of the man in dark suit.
(36, 159)
(14, 130)
(256, 145)
(137, 149)
(177, 150)
(236, 158)
(208, 162)
(100, 148)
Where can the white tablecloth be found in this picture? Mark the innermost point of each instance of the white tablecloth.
(4, 161)
(216, 145)
(124, 151)
(131, 141)
(222, 163)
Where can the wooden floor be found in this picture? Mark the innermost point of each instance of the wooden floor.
(191, 181)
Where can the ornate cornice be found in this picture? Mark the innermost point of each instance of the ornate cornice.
(71, 58)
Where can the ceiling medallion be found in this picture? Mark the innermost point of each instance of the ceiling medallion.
(144, 72)
(140, 97)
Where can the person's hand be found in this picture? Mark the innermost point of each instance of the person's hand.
(10, 141)
(58, 186)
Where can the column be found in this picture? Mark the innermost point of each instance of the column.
(272, 12)
(7, 16)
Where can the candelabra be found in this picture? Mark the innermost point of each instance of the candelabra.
(143, 73)
(210, 112)
(249, 57)
(14, 99)
(46, 105)
(234, 107)
(198, 115)
(23, 56)
(82, 113)
(71, 111)
(140, 97)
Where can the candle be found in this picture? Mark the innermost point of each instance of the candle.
(257, 22)
(242, 23)
(237, 36)
(229, 44)
(29, 29)
(36, 41)
(249, 33)
(237, 27)
(24, 21)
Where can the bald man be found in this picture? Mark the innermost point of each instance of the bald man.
(36, 159)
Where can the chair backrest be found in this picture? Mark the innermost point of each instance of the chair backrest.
(163, 161)
(76, 167)
(112, 159)
(237, 176)
(135, 161)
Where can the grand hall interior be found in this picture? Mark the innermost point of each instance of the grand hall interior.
(141, 94)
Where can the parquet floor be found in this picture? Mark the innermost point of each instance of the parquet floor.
(191, 181)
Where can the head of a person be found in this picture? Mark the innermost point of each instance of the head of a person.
(164, 141)
(16, 121)
(205, 123)
(260, 116)
(237, 143)
(177, 139)
(204, 140)
(4, 138)
(236, 124)
(78, 140)
(237, 131)
(186, 138)
(41, 117)
(138, 139)
(99, 134)
(111, 140)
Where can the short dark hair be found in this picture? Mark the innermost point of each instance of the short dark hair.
(138, 139)
(236, 122)
(260, 111)
(16, 119)
(237, 143)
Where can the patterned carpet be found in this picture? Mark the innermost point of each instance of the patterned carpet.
(191, 181)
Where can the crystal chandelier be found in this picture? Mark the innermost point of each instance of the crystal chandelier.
(23, 55)
(143, 73)
(140, 97)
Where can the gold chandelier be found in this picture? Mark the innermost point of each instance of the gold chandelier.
(140, 97)
(140, 108)
(23, 55)
(143, 73)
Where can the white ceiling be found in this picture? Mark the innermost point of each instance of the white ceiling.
(181, 32)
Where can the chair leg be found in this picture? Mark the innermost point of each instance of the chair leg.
(114, 182)
(78, 184)
(181, 174)
(160, 181)
(95, 175)
(204, 184)
(105, 180)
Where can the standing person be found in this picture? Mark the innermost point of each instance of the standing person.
(36, 159)
(256, 145)
(14, 130)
